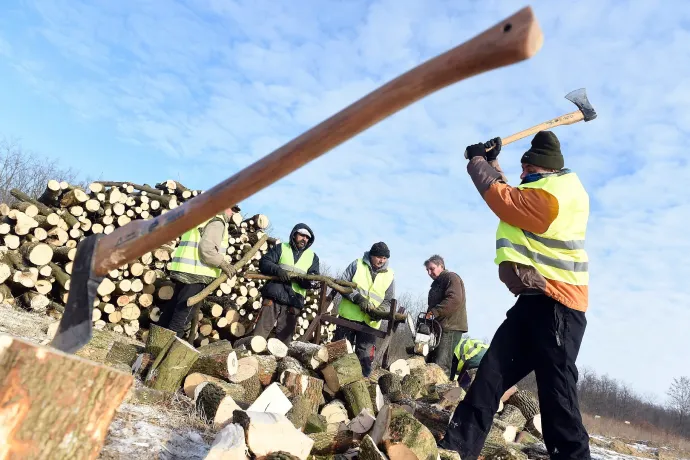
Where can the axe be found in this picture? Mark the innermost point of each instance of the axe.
(512, 40)
(584, 111)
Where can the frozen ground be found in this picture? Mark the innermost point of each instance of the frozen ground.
(172, 432)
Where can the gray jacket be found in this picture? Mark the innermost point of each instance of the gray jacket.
(210, 251)
(350, 274)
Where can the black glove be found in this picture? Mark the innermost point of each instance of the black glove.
(476, 150)
(283, 275)
(495, 145)
(362, 301)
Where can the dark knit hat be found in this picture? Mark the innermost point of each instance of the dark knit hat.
(545, 151)
(379, 250)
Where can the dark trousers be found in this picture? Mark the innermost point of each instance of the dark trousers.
(277, 315)
(444, 353)
(364, 345)
(176, 314)
(540, 335)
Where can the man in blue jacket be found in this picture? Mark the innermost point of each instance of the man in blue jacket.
(283, 300)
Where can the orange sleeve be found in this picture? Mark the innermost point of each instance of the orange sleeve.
(529, 209)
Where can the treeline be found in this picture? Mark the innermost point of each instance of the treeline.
(607, 397)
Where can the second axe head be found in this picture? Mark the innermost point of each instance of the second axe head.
(584, 111)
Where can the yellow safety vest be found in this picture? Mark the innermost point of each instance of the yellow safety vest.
(287, 262)
(559, 253)
(186, 257)
(374, 290)
(467, 349)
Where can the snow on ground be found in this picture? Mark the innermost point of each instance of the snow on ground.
(147, 432)
(173, 432)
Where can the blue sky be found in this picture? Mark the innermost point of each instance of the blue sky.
(195, 90)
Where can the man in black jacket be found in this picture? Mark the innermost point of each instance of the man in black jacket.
(283, 300)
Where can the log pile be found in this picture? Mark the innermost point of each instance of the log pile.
(312, 401)
(39, 236)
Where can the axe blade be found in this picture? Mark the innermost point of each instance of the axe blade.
(75, 327)
(579, 98)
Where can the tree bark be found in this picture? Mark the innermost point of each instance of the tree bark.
(65, 419)
(217, 359)
(158, 340)
(342, 371)
(357, 397)
(311, 355)
(168, 375)
(402, 435)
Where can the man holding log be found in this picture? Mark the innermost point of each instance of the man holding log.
(446, 304)
(541, 258)
(283, 300)
(375, 290)
(198, 260)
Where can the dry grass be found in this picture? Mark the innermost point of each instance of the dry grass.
(635, 432)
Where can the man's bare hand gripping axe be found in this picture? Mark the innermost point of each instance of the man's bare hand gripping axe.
(514, 39)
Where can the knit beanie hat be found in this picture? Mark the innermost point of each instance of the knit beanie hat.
(545, 151)
(379, 250)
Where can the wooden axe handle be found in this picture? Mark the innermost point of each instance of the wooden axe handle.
(514, 39)
(567, 119)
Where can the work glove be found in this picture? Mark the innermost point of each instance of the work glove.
(362, 301)
(228, 269)
(492, 154)
(283, 275)
(475, 150)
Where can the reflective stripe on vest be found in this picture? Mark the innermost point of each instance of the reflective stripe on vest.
(558, 254)
(186, 257)
(467, 349)
(302, 265)
(374, 290)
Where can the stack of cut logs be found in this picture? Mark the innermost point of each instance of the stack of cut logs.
(308, 399)
(38, 244)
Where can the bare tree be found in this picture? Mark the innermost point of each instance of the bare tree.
(679, 400)
(28, 172)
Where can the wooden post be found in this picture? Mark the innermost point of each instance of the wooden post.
(54, 405)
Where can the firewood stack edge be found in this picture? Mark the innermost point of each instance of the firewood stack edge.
(38, 240)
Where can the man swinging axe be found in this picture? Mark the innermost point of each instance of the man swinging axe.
(541, 259)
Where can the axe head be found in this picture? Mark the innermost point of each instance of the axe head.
(579, 98)
(75, 327)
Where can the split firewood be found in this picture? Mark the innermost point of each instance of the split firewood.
(67, 419)
(526, 402)
(270, 432)
(335, 412)
(332, 443)
(171, 366)
(511, 415)
(342, 371)
(357, 397)
(229, 444)
(272, 399)
(311, 355)
(268, 365)
(402, 435)
(277, 348)
(363, 423)
(217, 359)
(194, 379)
(400, 367)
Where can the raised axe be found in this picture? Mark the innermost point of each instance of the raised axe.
(584, 111)
(512, 40)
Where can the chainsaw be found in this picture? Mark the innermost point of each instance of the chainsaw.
(427, 331)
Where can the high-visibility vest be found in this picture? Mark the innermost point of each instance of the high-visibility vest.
(467, 349)
(374, 290)
(558, 253)
(186, 257)
(287, 262)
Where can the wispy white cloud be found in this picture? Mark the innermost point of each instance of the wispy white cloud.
(215, 85)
